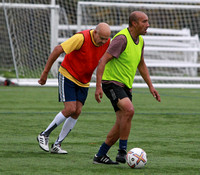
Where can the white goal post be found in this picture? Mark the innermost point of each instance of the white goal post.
(30, 30)
(160, 1)
(80, 9)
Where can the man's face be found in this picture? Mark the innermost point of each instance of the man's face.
(142, 24)
(100, 38)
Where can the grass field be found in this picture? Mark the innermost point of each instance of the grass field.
(169, 132)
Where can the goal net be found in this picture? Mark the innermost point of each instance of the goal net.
(26, 37)
(31, 29)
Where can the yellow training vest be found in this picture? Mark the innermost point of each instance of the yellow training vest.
(123, 69)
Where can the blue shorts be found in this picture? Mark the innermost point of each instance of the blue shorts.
(69, 91)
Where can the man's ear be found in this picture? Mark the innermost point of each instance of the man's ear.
(134, 23)
(95, 32)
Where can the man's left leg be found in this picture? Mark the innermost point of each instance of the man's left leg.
(81, 95)
(66, 129)
(125, 114)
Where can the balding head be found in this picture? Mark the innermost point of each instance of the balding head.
(103, 29)
(135, 16)
(138, 24)
(101, 33)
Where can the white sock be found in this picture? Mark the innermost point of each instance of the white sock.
(59, 118)
(67, 127)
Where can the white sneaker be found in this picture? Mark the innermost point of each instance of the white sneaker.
(43, 142)
(56, 149)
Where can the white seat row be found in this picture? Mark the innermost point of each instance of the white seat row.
(164, 48)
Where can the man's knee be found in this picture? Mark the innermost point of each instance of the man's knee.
(130, 112)
(69, 109)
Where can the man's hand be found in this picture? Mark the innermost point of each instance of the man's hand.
(98, 94)
(43, 78)
(155, 94)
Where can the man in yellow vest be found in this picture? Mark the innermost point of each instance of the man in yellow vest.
(116, 71)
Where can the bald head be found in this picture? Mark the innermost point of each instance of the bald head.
(135, 16)
(101, 33)
(103, 29)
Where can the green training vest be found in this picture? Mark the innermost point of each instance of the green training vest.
(123, 69)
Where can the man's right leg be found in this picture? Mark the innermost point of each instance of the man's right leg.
(111, 139)
(43, 137)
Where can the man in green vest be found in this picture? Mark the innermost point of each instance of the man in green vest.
(116, 72)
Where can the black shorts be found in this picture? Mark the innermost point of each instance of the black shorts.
(115, 92)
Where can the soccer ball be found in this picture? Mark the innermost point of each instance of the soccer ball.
(136, 158)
